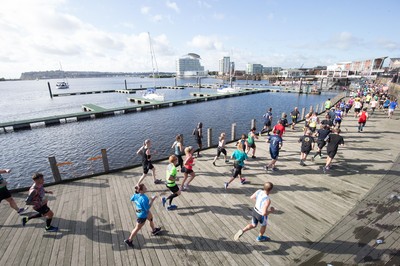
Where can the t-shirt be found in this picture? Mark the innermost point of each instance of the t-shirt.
(142, 204)
(363, 117)
(323, 133)
(295, 113)
(334, 140)
(279, 127)
(267, 117)
(274, 142)
(392, 105)
(250, 138)
(306, 142)
(189, 162)
(171, 171)
(261, 198)
(239, 156)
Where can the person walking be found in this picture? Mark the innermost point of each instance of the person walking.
(171, 178)
(188, 166)
(146, 162)
(143, 213)
(334, 140)
(221, 148)
(198, 136)
(239, 157)
(260, 212)
(275, 144)
(307, 144)
(38, 199)
(6, 195)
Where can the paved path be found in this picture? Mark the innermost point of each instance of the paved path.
(320, 218)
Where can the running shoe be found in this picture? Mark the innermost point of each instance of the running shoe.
(21, 210)
(156, 231)
(163, 200)
(51, 228)
(157, 181)
(172, 207)
(24, 220)
(265, 167)
(226, 185)
(227, 161)
(128, 242)
(312, 158)
(242, 180)
(275, 169)
(302, 163)
(253, 157)
(262, 238)
(214, 164)
(238, 235)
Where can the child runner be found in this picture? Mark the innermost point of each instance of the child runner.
(275, 144)
(239, 157)
(171, 185)
(5, 193)
(260, 212)
(143, 213)
(146, 162)
(243, 141)
(363, 116)
(307, 144)
(37, 198)
(334, 140)
(188, 163)
(221, 148)
(251, 141)
(179, 150)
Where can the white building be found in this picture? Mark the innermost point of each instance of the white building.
(224, 65)
(291, 73)
(189, 66)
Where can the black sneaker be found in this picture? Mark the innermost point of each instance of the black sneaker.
(157, 181)
(156, 231)
(253, 157)
(128, 242)
(51, 229)
(24, 220)
(214, 163)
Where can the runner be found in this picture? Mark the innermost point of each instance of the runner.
(275, 144)
(179, 150)
(322, 134)
(260, 212)
(239, 157)
(279, 127)
(143, 213)
(307, 144)
(5, 193)
(146, 162)
(392, 107)
(221, 148)
(188, 166)
(171, 185)
(267, 122)
(294, 115)
(37, 198)
(333, 140)
(363, 116)
(251, 141)
(328, 104)
(198, 136)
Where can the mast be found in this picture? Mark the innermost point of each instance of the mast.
(154, 65)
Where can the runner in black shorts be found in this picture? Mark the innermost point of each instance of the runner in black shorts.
(5, 193)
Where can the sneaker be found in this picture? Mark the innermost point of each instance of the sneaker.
(51, 229)
(226, 185)
(312, 158)
(242, 180)
(21, 210)
(275, 169)
(172, 207)
(262, 238)
(253, 157)
(302, 163)
(214, 164)
(227, 161)
(238, 235)
(163, 200)
(156, 231)
(185, 188)
(128, 242)
(157, 181)
(24, 220)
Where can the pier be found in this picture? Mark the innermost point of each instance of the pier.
(334, 218)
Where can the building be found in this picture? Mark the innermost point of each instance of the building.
(224, 66)
(291, 73)
(394, 64)
(271, 70)
(189, 66)
(365, 68)
(254, 69)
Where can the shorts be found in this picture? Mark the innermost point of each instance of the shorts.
(199, 142)
(4, 193)
(305, 151)
(253, 145)
(357, 110)
(258, 218)
(267, 123)
(237, 171)
(173, 189)
(43, 210)
(321, 144)
(141, 220)
(274, 154)
(221, 150)
(332, 153)
(294, 120)
(147, 167)
(391, 111)
(188, 171)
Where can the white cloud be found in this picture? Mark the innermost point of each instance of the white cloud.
(173, 5)
(157, 18)
(145, 10)
(204, 4)
(206, 42)
(219, 16)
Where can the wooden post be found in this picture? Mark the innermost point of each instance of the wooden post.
(126, 87)
(317, 108)
(253, 123)
(233, 132)
(209, 137)
(54, 169)
(311, 109)
(302, 113)
(105, 160)
(51, 94)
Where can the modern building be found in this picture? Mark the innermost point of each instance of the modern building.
(189, 66)
(291, 73)
(271, 70)
(254, 69)
(394, 64)
(365, 68)
(224, 66)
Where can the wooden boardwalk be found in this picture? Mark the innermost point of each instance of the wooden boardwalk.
(320, 218)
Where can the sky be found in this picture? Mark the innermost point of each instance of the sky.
(112, 36)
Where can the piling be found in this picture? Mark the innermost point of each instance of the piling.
(105, 160)
(209, 137)
(126, 86)
(54, 169)
(51, 94)
(233, 132)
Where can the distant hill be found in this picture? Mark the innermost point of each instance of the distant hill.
(58, 74)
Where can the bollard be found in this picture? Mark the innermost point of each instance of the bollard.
(302, 113)
(51, 94)
(209, 137)
(253, 123)
(54, 169)
(233, 132)
(105, 160)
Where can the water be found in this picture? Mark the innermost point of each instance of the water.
(26, 152)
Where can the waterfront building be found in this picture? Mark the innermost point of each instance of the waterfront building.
(254, 69)
(189, 66)
(271, 70)
(394, 64)
(291, 73)
(224, 66)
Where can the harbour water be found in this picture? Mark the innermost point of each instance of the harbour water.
(26, 152)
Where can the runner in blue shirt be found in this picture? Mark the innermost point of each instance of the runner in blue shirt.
(275, 144)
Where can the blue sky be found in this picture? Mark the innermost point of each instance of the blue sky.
(106, 35)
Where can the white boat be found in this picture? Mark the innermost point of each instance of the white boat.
(228, 89)
(151, 93)
(62, 85)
